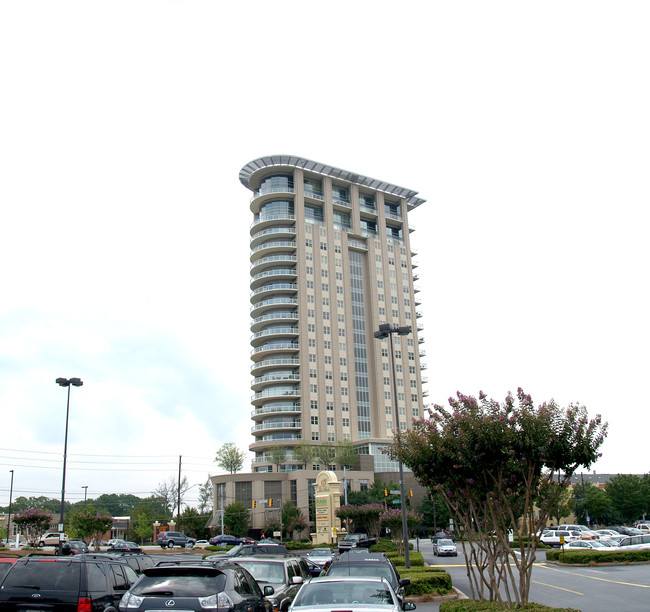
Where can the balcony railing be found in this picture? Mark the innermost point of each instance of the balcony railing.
(274, 301)
(275, 245)
(277, 346)
(282, 331)
(264, 426)
(271, 409)
(270, 363)
(314, 194)
(266, 218)
(276, 272)
(276, 287)
(264, 191)
(272, 378)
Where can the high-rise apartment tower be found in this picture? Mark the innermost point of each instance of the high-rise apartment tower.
(330, 262)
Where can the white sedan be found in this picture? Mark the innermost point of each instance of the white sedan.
(353, 594)
(587, 545)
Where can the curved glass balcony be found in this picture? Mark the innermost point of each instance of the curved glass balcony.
(274, 377)
(273, 331)
(279, 287)
(275, 273)
(259, 367)
(275, 347)
(275, 408)
(280, 315)
(276, 425)
(284, 391)
(267, 220)
(273, 246)
(278, 232)
(264, 262)
(270, 304)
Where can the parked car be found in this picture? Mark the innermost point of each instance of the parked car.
(51, 538)
(375, 565)
(349, 593)
(321, 556)
(138, 562)
(552, 537)
(445, 548)
(247, 550)
(169, 539)
(201, 543)
(356, 540)
(314, 568)
(644, 527)
(65, 584)
(635, 542)
(628, 531)
(195, 588)
(283, 573)
(225, 540)
(74, 547)
(587, 545)
(113, 541)
(125, 546)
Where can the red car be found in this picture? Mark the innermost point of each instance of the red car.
(6, 564)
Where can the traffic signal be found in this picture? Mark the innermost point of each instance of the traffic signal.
(270, 502)
(411, 492)
(253, 505)
(385, 492)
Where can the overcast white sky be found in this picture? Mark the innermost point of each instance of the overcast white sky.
(124, 244)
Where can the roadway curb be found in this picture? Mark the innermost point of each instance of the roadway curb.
(457, 594)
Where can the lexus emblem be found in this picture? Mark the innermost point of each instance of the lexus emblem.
(170, 603)
(36, 595)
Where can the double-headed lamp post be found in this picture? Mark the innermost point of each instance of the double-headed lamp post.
(386, 330)
(65, 382)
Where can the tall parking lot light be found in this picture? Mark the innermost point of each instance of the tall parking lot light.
(386, 330)
(65, 382)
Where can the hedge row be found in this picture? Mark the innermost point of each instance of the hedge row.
(386, 545)
(470, 605)
(415, 558)
(426, 581)
(588, 557)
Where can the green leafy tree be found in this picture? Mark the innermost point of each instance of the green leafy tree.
(206, 492)
(278, 456)
(495, 465)
(346, 454)
(364, 516)
(230, 458)
(33, 522)
(303, 453)
(90, 525)
(142, 520)
(563, 505)
(168, 491)
(293, 520)
(53, 506)
(117, 504)
(626, 496)
(435, 515)
(326, 455)
(236, 519)
(194, 523)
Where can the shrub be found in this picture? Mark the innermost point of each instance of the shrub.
(384, 545)
(416, 558)
(589, 557)
(426, 582)
(471, 605)
(297, 545)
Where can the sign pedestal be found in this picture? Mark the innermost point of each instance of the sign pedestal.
(327, 496)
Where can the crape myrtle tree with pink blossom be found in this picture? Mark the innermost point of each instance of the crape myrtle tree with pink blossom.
(33, 522)
(90, 525)
(500, 466)
(391, 518)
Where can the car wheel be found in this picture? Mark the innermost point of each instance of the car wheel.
(170, 544)
(41, 544)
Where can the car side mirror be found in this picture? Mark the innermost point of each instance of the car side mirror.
(404, 581)
(297, 580)
(268, 591)
(408, 605)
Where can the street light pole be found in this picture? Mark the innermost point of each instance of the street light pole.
(11, 492)
(65, 382)
(386, 330)
(85, 488)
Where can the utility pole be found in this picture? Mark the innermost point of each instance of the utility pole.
(178, 521)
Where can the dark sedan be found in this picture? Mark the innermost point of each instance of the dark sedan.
(195, 588)
(225, 540)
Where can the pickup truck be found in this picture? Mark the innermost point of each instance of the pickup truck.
(356, 540)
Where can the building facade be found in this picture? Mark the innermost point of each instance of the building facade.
(331, 261)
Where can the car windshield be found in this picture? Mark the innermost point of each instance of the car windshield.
(181, 584)
(272, 573)
(320, 552)
(336, 593)
(445, 543)
(363, 569)
(44, 575)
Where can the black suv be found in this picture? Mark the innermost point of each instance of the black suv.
(369, 564)
(138, 562)
(195, 588)
(65, 584)
(169, 539)
(284, 573)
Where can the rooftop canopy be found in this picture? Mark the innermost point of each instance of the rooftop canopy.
(246, 175)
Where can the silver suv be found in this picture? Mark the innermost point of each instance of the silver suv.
(169, 539)
(51, 538)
